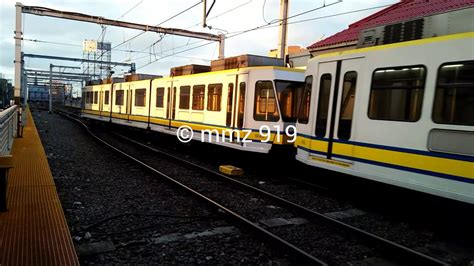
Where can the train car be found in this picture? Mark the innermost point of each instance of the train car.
(400, 113)
(232, 105)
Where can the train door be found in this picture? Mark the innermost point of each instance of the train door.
(341, 126)
(239, 100)
(171, 105)
(229, 121)
(128, 105)
(101, 98)
(325, 86)
(335, 105)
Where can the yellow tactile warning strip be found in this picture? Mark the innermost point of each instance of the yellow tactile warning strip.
(34, 230)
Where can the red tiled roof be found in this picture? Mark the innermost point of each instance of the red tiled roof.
(404, 10)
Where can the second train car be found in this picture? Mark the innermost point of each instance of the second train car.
(251, 108)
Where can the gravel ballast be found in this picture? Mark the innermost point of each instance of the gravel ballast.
(119, 213)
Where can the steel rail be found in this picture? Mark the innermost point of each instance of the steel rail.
(269, 237)
(392, 249)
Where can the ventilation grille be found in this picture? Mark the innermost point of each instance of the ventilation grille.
(401, 32)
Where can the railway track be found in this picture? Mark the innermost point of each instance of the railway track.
(389, 249)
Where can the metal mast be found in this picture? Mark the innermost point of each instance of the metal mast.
(283, 29)
(44, 11)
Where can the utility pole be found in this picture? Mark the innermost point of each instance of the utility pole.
(283, 29)
(204, 15)
(18, 58)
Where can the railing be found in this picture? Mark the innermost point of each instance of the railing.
(8, 131)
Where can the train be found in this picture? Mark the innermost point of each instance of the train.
(399, 113)
(228, 107)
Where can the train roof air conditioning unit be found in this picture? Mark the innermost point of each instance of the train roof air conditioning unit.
(455, 21)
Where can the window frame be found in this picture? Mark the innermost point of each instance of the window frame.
(220, 97)
(294, 101)
(229, 109)
(436, 92)
(318, 108)
(425, 74)
(135, 97)
(202, 97)
(181, 95)
(300, 108)
(106, 97)
(122, 97)
(341, 111)
(162, 105)
(275, 97)
(241, 104)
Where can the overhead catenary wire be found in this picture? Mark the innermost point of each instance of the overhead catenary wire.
(233, 34)
(104, 28)
(121, 16)
(236, 33)
(174, 53)
(242, 32)
(269, 26)
(199, 23)
(166, 20)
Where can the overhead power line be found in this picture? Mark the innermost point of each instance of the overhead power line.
(166, 20)
(270, 26)
(174, 53)
(197, 24)
(242, 32)
(266, 25)
(309, 19)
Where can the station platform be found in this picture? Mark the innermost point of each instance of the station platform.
(34, 230)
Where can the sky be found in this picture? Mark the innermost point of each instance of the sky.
(65, 37)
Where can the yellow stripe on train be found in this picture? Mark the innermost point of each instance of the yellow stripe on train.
(256, 136)
(405, 159)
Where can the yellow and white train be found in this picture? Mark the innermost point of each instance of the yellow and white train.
(232, 103)
(400, 113)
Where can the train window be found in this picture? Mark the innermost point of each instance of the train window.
(140, 97)
(198, 97)
(454, 97)
(347, 105)
(288, 99)
(214, 95)
(397, 93)
(229, 104)
(240, 116)
(303, 114)
(96, 97)
(265, 108)
(160, 97)
(184, 97)
(106, 97)
(119, 97)
(323, 104)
